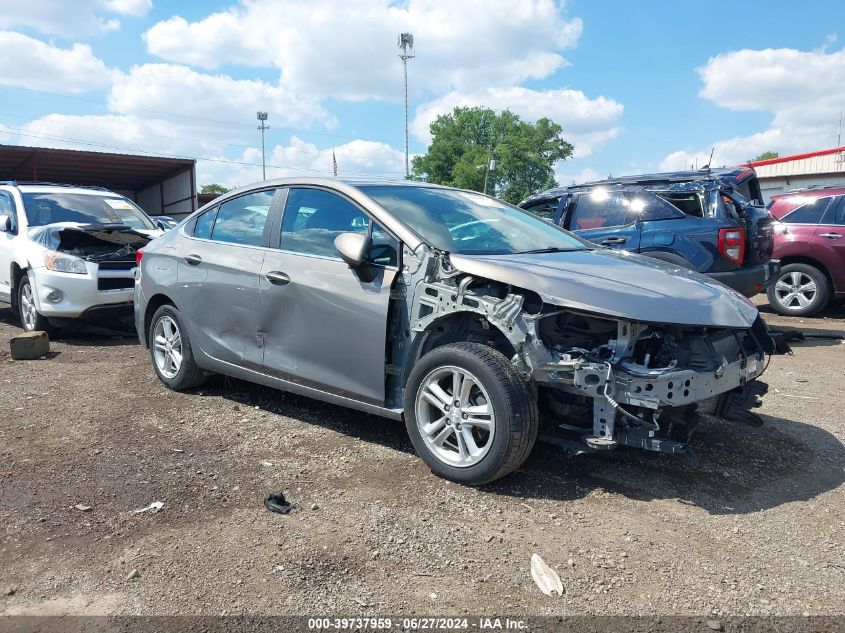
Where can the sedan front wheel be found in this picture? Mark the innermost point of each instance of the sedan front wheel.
(470, 415)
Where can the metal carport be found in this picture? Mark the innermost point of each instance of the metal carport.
(161, 186)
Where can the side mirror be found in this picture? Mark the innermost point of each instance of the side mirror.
(162, 225)
(353, 248)
(5, 223)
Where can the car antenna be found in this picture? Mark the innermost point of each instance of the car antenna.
(710, 160)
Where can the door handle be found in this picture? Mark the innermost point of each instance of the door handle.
(614, 240)
(193, 260)
(277, 278)
(831, 236)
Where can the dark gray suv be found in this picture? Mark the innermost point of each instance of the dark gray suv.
(480, 325)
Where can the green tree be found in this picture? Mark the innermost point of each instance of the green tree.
(214, 188)
(766, 156)
(464, 141)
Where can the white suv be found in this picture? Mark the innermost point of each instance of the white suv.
(68, 252)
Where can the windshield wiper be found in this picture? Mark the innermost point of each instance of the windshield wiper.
(548, 249)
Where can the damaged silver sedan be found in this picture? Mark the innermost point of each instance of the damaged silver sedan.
(480, 325)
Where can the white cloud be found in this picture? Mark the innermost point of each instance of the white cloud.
(348, 50)
(152, 88)
(357, 158)
(586, 122)
(803, 90)
(69, 17)
(40, 66)
(588, 174)
(136, 8)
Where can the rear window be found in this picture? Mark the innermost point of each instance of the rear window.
(808, 211)
(687, 203)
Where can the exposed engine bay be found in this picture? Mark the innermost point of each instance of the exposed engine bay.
(601, 381)
(93, 243)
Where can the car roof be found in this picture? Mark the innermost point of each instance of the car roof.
(676, 180)
(51, 187)
(816, 191)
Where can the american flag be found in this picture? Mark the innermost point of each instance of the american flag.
(334, 164)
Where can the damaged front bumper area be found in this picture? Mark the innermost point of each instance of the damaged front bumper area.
(605, 379)
(612, 382)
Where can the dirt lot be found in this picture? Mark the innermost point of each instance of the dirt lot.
(756, 528)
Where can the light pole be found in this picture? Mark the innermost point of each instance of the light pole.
(262, 117)
(491, 166)
(406, 45)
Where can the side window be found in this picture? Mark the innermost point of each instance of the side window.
(385, 248)
(809, 213)
(600, 209)
(313, 218)
(7, 208)
(836, 212)
(203, 224)
(545, 209)
(687, 203)
(242, 220)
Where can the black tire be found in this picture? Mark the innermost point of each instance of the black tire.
(778, 296)
(189, 374)
(513, 403)
(38, 322)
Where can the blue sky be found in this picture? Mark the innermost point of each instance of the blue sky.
(637, 86)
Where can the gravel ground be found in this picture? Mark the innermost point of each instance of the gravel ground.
(88, 436)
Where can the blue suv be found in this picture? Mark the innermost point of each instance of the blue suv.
(709, 220)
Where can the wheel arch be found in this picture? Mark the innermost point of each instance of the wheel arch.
(671, 258)
(155, 302)
(456, 327)
(809, 261)
(16, 271)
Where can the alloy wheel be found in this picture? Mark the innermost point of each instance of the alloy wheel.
(29, 315)
(167, 347)
(795, 290)
(455, 416)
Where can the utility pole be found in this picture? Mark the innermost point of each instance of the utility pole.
(262, 117)
(406, 44)
(491, 165)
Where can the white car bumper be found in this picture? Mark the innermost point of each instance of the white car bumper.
(70, 295)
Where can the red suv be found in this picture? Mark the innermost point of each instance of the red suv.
(810, 243)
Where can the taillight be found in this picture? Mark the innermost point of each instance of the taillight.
(138, 255)
(732, 244)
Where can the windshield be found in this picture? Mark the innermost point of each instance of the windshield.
(84, 208)
(467, 223)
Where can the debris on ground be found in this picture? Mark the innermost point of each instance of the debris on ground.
(132, 575)
(82, 507)
(155, 506)
(29, 345)
(266, 464)
(276, 502)
(715, 625)
(545, 577)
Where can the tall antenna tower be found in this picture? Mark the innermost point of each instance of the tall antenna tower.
(406, 47)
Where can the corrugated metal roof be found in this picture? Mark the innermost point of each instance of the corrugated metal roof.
(114, 171)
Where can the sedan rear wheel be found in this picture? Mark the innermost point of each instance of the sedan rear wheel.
(470, 415)
(801, 290)
(170, 350)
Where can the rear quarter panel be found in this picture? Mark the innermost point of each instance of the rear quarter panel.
(693, 239)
